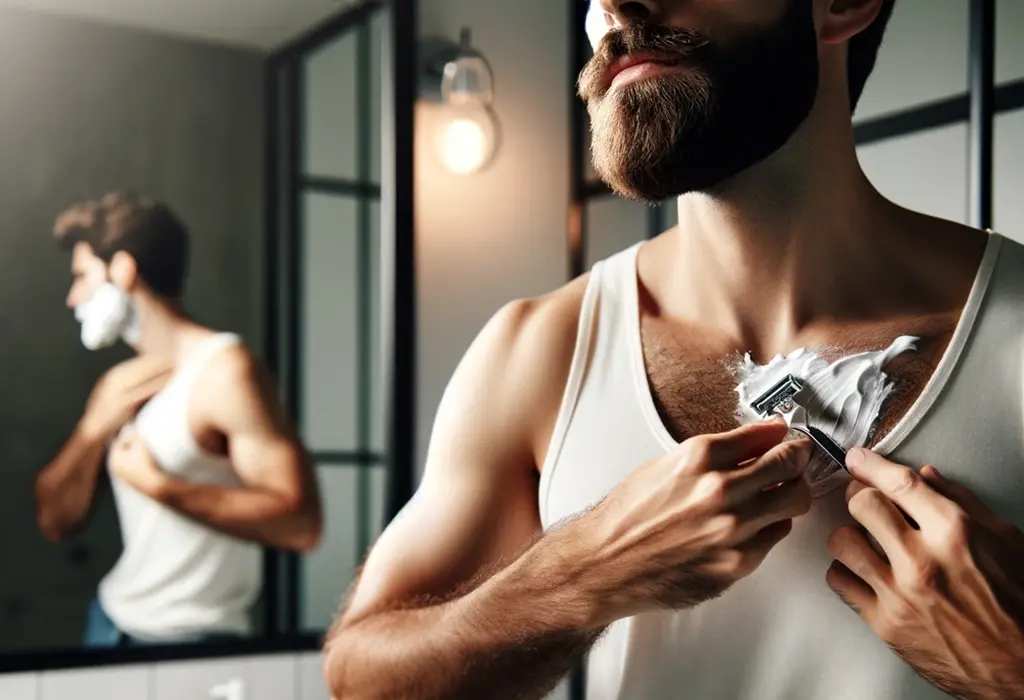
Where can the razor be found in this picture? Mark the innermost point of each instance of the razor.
(781, 400)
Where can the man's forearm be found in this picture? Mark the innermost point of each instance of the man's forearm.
(246, 513)
(513, 637)
(65, 488)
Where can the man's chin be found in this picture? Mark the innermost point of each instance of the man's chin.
(650, 185)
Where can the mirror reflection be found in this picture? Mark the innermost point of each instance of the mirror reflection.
(183, 413)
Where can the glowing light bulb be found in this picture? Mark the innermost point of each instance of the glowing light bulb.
(464, 146)
(466, 134)
(466, 140)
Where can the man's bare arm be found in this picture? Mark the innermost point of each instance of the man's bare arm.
(278, 503)
(515, 636)
(65, 488)
(520, 630)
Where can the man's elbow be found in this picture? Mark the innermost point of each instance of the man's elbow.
(337, 670)
(52, 528)
(310, 534)
(307, 528)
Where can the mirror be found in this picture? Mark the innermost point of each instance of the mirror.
(193, 431)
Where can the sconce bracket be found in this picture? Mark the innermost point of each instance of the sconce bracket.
(434, 54)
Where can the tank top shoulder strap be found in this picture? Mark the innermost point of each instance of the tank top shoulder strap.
(600, 311)
(191, 367)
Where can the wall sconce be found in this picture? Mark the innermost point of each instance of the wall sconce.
(459, 79)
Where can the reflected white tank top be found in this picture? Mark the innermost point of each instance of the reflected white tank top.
(781, 634)
(176, 578)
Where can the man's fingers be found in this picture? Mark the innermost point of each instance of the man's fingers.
(145, 389)
(791, 500)
(726, 450)
(781, 464)
(883, 521)
(903, 486)
(850, 588)
(963, 497)
(852, 549)
(737, 561)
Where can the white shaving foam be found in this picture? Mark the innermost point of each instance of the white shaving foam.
(843, 399)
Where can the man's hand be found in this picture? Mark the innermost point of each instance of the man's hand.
(683, 528)
(946, 591)
(120, 393)
(132, 463)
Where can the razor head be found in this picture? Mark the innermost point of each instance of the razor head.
(779, 396)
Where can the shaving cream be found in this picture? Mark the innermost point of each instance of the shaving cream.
(107, 316)
(843, 399)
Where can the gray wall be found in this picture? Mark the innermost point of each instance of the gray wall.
(84, 109)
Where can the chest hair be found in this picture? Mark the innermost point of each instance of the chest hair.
(692, 377)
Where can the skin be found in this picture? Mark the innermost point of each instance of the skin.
(232, 412)
(463, 596)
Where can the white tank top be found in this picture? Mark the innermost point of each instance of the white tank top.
(781, 634)
(176, 578)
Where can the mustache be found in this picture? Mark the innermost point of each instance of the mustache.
(669, 44)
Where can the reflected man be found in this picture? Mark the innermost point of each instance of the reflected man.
(204, 464)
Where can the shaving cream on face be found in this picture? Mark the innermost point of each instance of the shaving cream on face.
(843, 399)
(107, 316)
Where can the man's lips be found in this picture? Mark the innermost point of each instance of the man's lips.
(635, 66)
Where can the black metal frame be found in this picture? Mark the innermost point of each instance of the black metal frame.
(281, 271)
(977, 108)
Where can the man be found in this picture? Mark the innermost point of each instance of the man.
(204, 465)
(589, 485)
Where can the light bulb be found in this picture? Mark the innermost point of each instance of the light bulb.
(466, 139)
(464, 147)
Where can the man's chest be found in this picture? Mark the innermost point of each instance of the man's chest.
(693, 379)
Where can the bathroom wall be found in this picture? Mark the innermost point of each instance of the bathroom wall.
(269, 677)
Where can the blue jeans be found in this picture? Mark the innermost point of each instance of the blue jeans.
(102, 633)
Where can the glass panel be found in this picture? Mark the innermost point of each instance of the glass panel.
(613, 224)
(923, 57)
(353, 500)
(926, 171)
(378, 25)
(378, 396)
(330, 138)
(330, 322)
(1008, 208)
(1009, 40)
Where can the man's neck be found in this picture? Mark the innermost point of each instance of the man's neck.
(800, 239)
(164, 329)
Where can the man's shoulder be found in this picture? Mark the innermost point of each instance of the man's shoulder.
(230, 368)
(538, 328)
(519, 362)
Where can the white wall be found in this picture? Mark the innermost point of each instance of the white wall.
(268, 677)
(489, 238)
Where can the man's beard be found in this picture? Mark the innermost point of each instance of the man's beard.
(723, 110)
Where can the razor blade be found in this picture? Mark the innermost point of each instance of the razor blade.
(781, 399)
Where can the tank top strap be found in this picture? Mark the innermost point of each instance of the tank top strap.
(203, 354)
(600, 312)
